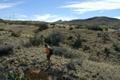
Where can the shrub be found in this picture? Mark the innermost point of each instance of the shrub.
(1, 29)
(66, 52)
(6, 49)
(15, 76)
(96, 28)
(105, 37)
(77, 43)
(37, 40)
(15, 34)
(70, 28)
(53, 38)
(104, 27)
(116, 46)
(107, 52)
(42, 26)
(73, 41)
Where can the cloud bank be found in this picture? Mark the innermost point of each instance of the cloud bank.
(118, 17)
(45, 17)
(52, 18)
(8, 5)
(93, 5)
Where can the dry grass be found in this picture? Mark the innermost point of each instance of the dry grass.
(96, 57)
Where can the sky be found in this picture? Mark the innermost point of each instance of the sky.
(53, 10)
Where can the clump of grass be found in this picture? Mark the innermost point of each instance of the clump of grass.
(15, 76)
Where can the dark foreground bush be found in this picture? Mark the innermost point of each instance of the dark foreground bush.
(1, 29)
(6, 49)
(15, 76)
(37, 40)
(116, 46)
(15, 34)
(42, 26)
(74, 41)
(51, 39)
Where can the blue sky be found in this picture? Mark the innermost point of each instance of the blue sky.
(53, 10)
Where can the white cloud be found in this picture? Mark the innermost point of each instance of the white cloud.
(52, 18)
(94, 5)
(118, 17)
(8, 5)
(45, 17)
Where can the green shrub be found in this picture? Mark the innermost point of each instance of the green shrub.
(53, 38)
(73, 41)
(70, 28)
(96, 28)
(37, 40)
(77, 43)
(1, 29)
(104, 37)
(42, 26)
(107, 52)
(116, 46)
(15, 76)
(66, 52)
(104, 27)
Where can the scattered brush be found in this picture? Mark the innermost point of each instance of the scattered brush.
(36, 74)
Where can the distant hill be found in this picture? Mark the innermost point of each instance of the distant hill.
(19, 22)
(88, 23)
(1, 20)
(95, 21)
(102, 18)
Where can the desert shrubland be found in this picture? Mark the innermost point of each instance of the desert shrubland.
(79, 53)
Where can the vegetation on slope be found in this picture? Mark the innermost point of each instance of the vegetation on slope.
(79, 53)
